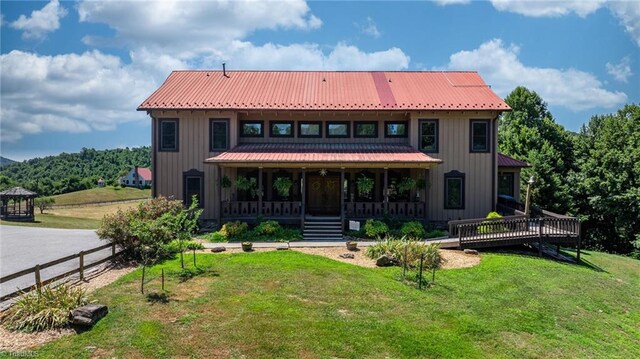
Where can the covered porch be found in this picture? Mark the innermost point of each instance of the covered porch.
(294, 182)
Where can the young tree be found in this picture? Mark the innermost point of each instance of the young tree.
(44, 203)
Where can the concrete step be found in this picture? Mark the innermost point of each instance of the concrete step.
(307, 223)
(315, 238)
(322, 227)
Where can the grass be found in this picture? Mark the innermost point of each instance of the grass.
(104, 194)
(287, 304)
(48, 220)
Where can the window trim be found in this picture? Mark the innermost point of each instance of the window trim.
(386, 129)
(488, 124)
(211, 122)
(454, 175)
(355, 129)
(252, 122)
(177, 135)
(271, 123)
(346, 123)
(300, 123)
(436, 122)
(193, 173)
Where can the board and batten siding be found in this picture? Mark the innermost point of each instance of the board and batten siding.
(193, 149)
(480, 169)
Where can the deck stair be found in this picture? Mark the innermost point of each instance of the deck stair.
(322, 229)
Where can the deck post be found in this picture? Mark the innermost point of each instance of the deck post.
(541, 226)
(342, 199)
(386, 191)
(303, 195)
(219, 191)
(579, 242)
(260, 191)
(425, 197)
(460, 237)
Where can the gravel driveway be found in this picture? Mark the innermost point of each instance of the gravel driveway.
(24, 247)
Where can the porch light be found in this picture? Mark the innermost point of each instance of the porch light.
(323, 172)
(530, 182)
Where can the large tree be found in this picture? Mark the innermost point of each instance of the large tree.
(607, 185)
(529, 133)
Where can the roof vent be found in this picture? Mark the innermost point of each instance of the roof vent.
(224, 70)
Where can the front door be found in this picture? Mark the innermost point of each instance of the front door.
(323, 195)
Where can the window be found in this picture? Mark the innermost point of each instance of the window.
(429, 136)
(251, 129)
(454, 190)
(218, 135)
(506, 184)
(480, 136)
(193, 186)
(168, 135)
(281, 129)
(395, 129)
(310, 129)
(338, 129)
(365, 129)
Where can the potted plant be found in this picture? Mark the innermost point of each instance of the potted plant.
(225, 182)
(406, 185)
(247, 246)
(283, 186)
(247, 184)
(365, 185)
(352, 245)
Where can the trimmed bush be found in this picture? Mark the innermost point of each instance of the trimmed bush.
(414, 230)
(374, 228)
(44, 309)
(234, 230)
(268, 228)
(395, 248)
(496, 227)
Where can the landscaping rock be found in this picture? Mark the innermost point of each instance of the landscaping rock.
(282, 248)
(88, 315)
(218, 249)
(347, 255)
(383, 261)
(471, 251)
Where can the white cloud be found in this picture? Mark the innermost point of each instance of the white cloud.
(70, 93)
(544, 8)
(500, 67)
(41, 21)
(628, 12)
(370, 28)
(621, 71)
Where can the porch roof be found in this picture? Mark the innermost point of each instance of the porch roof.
(315, 155)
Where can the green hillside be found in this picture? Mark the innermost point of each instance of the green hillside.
(70, 172)
(104, 194)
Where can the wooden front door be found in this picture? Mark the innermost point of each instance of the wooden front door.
(323, 195)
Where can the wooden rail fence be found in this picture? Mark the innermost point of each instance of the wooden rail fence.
(39, 267)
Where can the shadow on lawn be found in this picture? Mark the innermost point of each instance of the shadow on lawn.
(528, 252)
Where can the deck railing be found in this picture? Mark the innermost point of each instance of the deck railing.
(377, 209)
(238, 209)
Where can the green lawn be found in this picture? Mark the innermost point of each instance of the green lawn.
(289, 305)
(104, 194)
(55, 221)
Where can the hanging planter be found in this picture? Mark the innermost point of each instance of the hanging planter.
(283, 185)
(365, 185)
(225, 182)
(248, 185)
(406, 185)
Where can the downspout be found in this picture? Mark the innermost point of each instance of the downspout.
(154, 168)
(494, 168)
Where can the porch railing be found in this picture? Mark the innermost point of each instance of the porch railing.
(376, 209)
(269, 209)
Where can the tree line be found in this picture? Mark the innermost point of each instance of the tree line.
(593, 174)
(70, 172)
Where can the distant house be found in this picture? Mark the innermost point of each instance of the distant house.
(101, 182)
(137, 177)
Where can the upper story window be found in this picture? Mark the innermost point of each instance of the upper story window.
(168, 135)
(480, 138)
(309, 129)
(281, 129)
(367, 129)
(454, 190)
(218, 135)
(338, 129)
(251, 129)
(429, 136)
(395, 129)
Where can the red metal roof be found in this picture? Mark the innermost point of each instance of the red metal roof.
(309, 153)
(145, 173)
(506, 161)
(324, 90)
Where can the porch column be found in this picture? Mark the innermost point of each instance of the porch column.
(342, 198)
(303, 195)
(386, 191)
(260, 191)
(219, 190)
(425, 198)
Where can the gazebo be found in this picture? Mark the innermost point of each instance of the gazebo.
(16, 204)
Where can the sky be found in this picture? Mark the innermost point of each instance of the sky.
(73, 73)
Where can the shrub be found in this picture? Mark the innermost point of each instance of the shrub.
(44, 309)
(234, 230)
(435, 233)
(390, 247)
(44, 203)
(395, 248)
(217, 237)
(495, 227)
(268, 228)
(174, 246)
(413, 229)
(374, 228)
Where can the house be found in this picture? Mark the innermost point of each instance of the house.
(301, 145)
(101, 182)
(140, 177)
(509, 176)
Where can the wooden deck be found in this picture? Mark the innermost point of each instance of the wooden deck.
(516, 230)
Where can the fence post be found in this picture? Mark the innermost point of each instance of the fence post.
(113, 249)
(37, 274)
(459, 229)
(81, 257)
(163, 279)
(420, 280)
(540, 227)
(404, 262)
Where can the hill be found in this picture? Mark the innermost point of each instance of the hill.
(5, 161)
(104, 194)
(69, 172)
